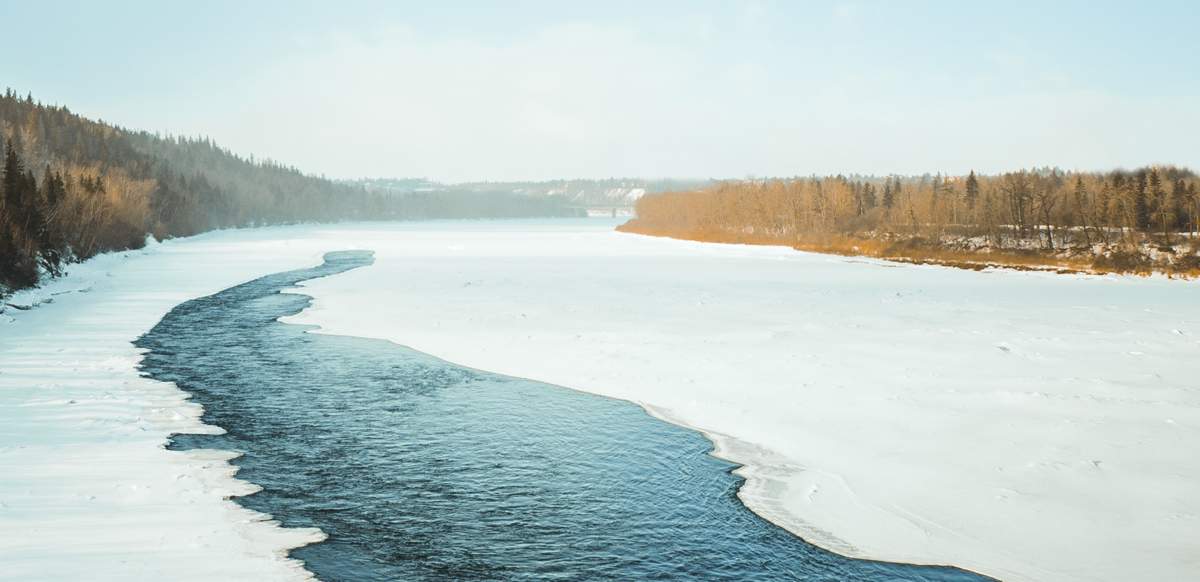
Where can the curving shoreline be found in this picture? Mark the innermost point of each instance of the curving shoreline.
(771, 480)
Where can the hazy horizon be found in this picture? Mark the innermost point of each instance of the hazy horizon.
(480, 92)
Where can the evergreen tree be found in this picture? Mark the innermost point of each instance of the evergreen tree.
(1158, 198)
(972, 190)
(32, 198)
(19, 267)
(1179, 204)
(13, 180)
(50, 237)
(889, 193)
(1141, 206)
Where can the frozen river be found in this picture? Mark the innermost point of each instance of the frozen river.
(418, 469)
(1026, 426)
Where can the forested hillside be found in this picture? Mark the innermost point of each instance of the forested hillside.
(72, 187)
(1125, 221)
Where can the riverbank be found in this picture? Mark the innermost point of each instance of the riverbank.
(1181, 259)
(89, 491)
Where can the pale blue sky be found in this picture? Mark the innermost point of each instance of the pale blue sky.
(534, 90)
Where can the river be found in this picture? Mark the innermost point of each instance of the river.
(420, 469)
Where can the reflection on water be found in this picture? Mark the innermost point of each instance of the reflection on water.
(419, 469)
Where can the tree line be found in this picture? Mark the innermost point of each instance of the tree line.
(1135, 214)
(72, 187)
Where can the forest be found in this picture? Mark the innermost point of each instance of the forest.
(1141, 220)
(72, 187)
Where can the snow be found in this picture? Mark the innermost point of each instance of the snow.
(1029, 426)
(88, 491)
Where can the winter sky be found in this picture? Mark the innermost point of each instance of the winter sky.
(538, 90)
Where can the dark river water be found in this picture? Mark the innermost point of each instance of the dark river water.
(419, 469)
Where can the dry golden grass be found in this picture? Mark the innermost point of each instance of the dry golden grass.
(919, 251)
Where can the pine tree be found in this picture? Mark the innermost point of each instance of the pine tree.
(1179, 204)
(32, 206)
(50, 239)
(1158, 198)
(889, 194)
(1141, 206)
(972, 190)
(18, 268)
(13, 180)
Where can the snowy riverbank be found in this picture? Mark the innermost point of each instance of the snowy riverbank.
(1027, 426)
(88, 492)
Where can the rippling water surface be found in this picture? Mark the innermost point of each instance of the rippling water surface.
(419, 469)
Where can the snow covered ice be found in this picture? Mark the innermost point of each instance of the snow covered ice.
(1028, 426)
